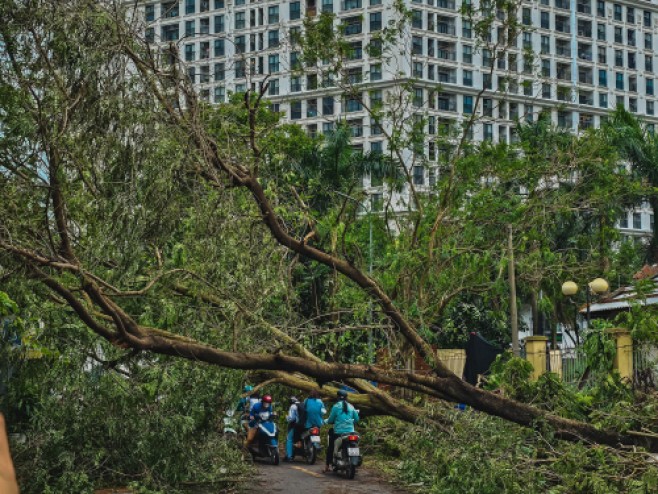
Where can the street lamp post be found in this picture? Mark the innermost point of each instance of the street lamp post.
(598, 286)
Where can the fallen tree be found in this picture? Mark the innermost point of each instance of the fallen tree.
(88, 112)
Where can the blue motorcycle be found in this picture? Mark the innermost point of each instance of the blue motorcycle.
(266, 443)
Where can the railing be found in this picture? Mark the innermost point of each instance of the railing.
(645, 365)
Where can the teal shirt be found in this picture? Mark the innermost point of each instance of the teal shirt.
(343, 422)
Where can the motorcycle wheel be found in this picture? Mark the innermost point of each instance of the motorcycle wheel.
(351, 471)
(275, 458)
(311, 455)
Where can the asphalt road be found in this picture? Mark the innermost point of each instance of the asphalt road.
(300, 478)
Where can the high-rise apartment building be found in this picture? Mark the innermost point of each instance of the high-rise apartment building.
(576, 59)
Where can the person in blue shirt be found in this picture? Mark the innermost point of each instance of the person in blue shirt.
(292, 418)
(315, 410)
(343, 416)
(264, 405)
(244, 405)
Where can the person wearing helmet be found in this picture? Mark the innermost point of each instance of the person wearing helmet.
(244, 405)
(343, 416)
(264, 405)
(292, 419)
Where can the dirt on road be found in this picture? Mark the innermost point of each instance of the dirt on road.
(301, 478)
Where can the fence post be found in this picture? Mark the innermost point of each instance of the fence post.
(535, 353)
(556, 361)
(623, 361)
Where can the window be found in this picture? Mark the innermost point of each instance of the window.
(527, 41)
(239, 68)
(623, 220)
(355, 51)
(376, 72)
(584, 6)
(546, 91)
(295, 110)
(295, 64)
(545, 20)
(353, 104)
(618, 35)
(487, 107)
(375, 21)
(352, 25)
(240, 44)
(600, 8)
(631, 60)
(650, 87)
(603, 78)
(220, 71)
(377, 202)
(190, 29)
(376, 98)
(632, 83)
(190, 53)
(467, 104)
(526, 17)
(488, 132)
(327, 6)
(149, 13)
(170, 9)
(602, 54)
(328, 105)
(219, 48)
(273, 63)
(467, 29)
(311, 81)
(204, 6)
(417, 19)
(600, 32)
(273, 14)
(295, 11)
(417, 70)
(295, 84)
(603, 100)
(149, 34)
(619, 81)
(220, 94)
(617, 12)
(546, 67)
(416, 45)
(204, 75)
(311, 108)
(648, 63)
(630, 15)
(619, 58)
(647, 18)
(637, 221)
(630, 37)
(649, 107)
(467, 54)
(190, 6)
(240, 21)
(220, 27)
(648, 41)
(545, 44)
(219, 4)
(204, 50)
(419, 175)
(468, 78)
(204, 25)
(273, 38)
(351, 4)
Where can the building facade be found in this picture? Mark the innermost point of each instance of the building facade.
(576, 59)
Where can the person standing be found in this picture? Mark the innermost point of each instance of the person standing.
(292, 419)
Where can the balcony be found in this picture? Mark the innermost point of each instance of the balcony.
(562, 24)
(585, 76)
(586, 98)
(445, 25)
(447, 75)
(563, 48)
(446, 51)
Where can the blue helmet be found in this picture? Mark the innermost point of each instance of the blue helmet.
(342, 394)
(248, 388)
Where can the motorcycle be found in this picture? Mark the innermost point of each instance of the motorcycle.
(266, 443)
(230, 423)
(310, 445)
(347, 455)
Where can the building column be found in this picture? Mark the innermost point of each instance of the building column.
(535, 353)
(623, 361)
